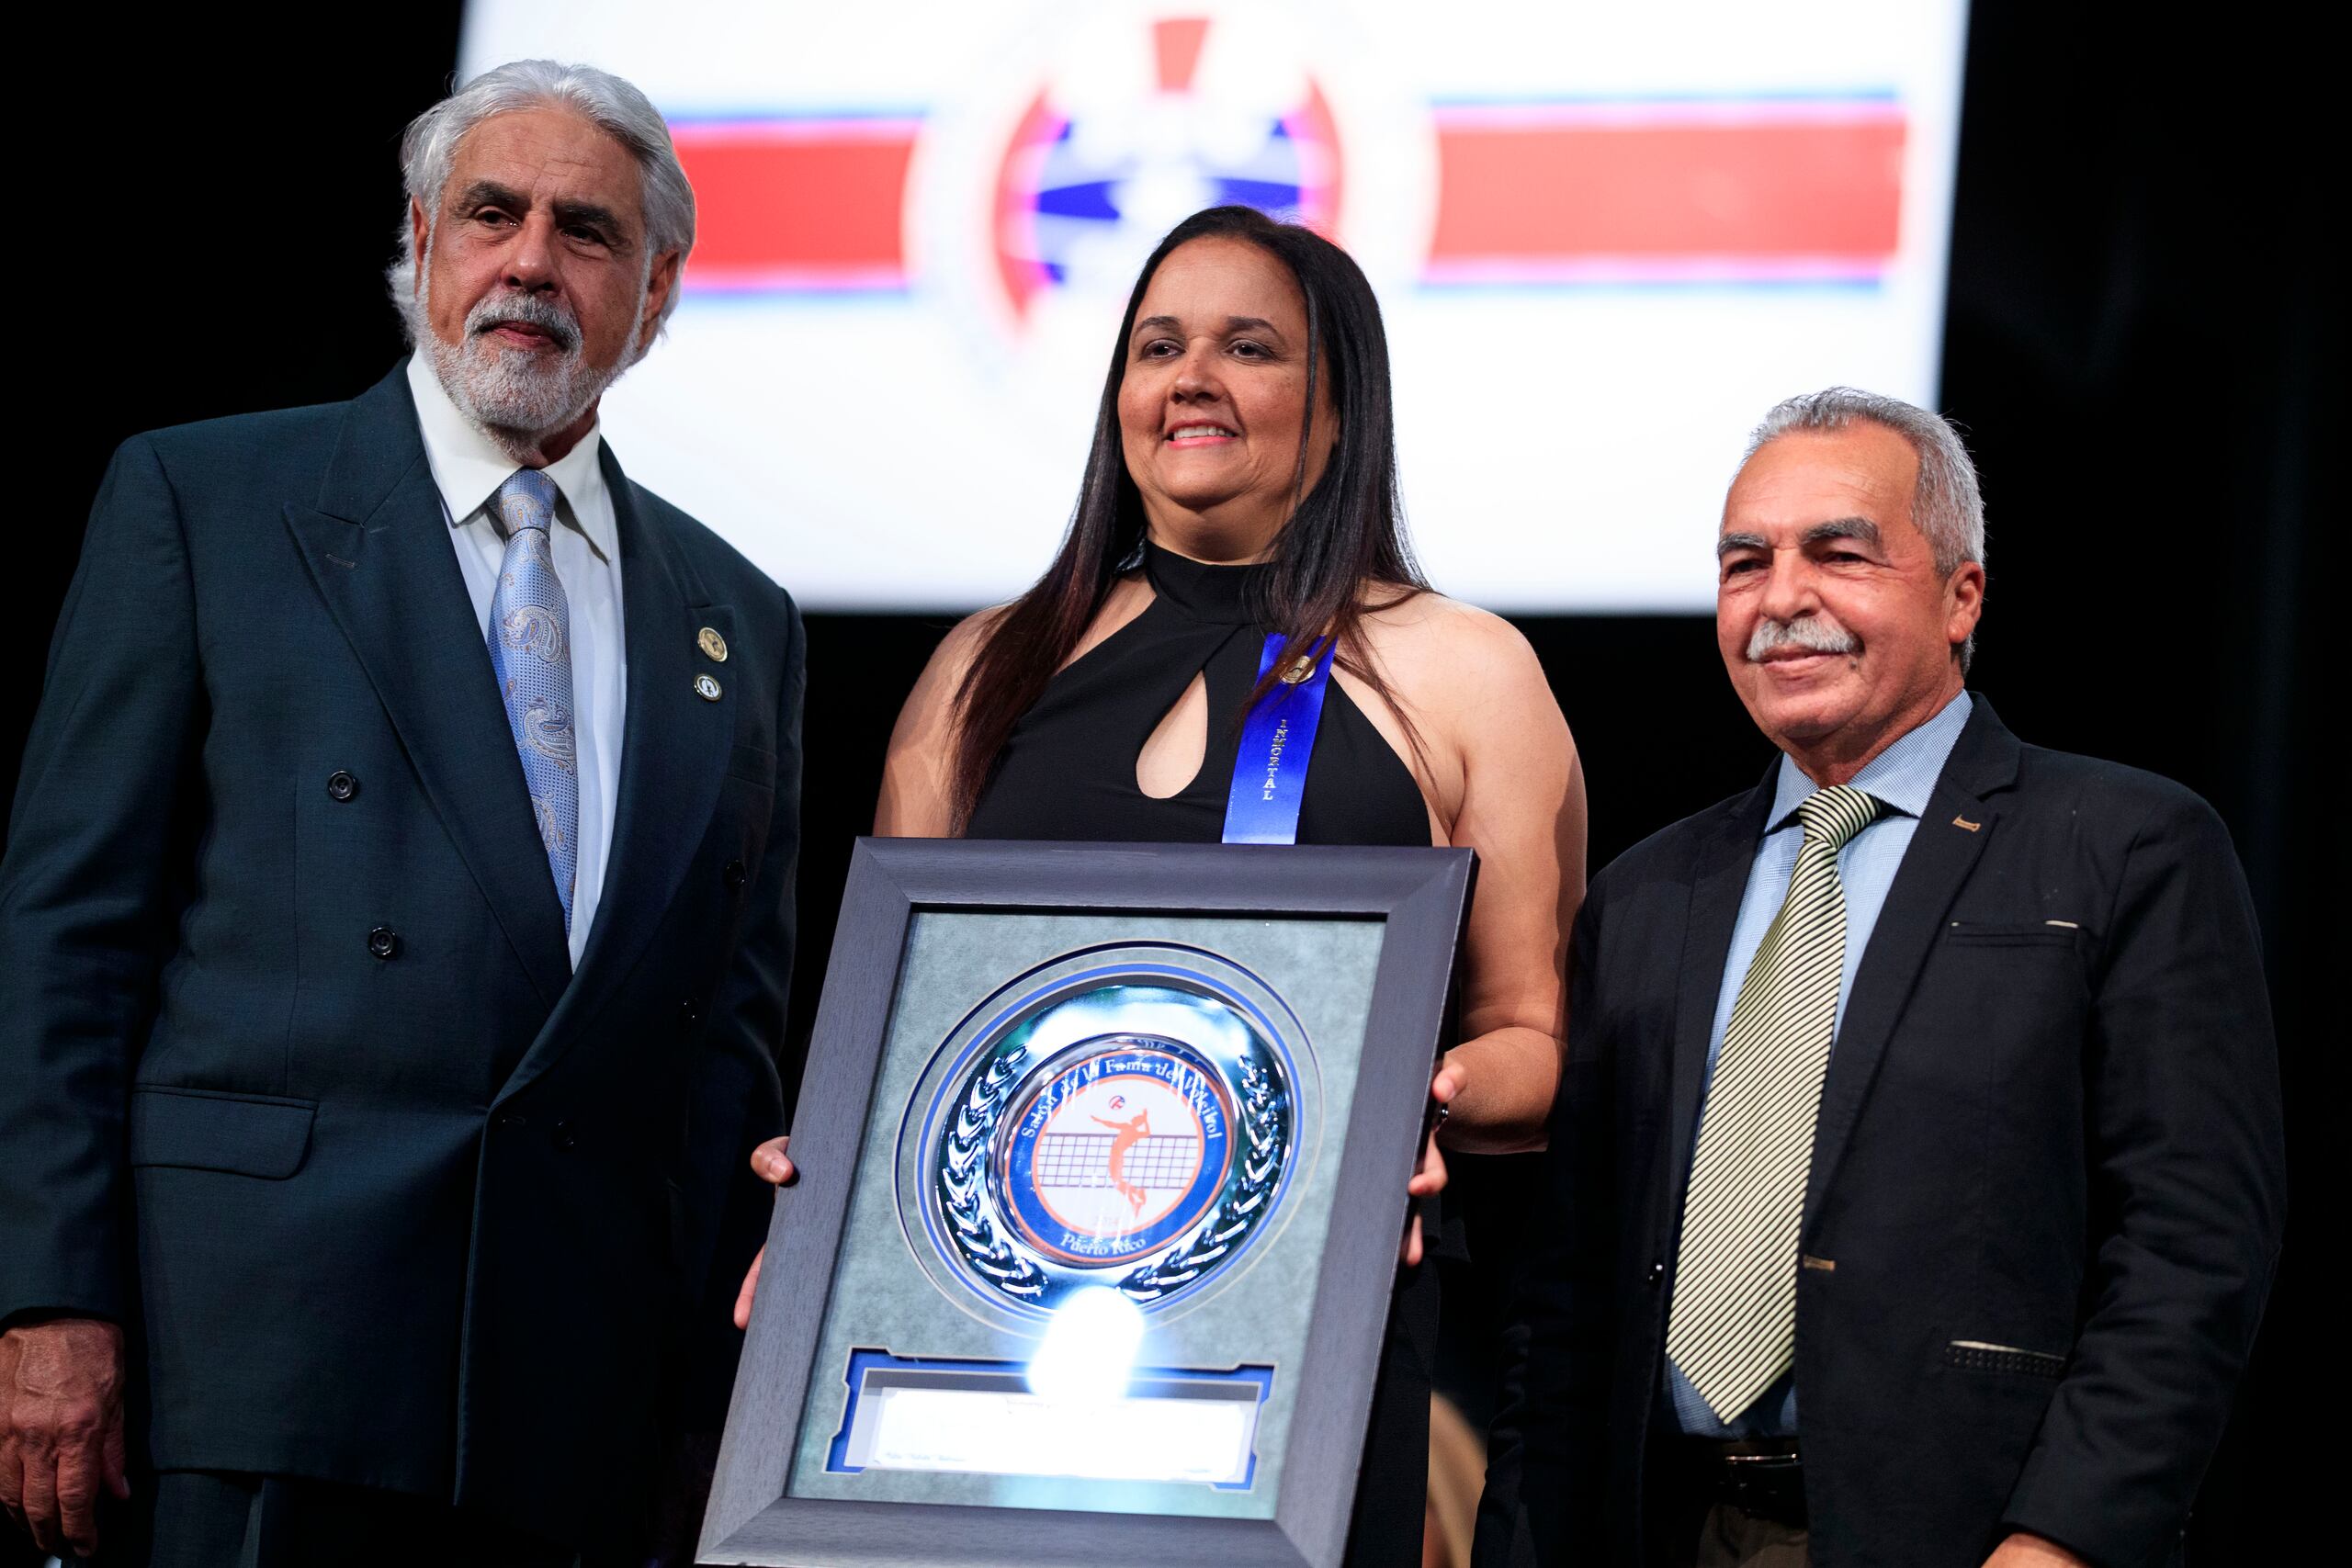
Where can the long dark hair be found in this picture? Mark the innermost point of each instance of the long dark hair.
(1343, 534)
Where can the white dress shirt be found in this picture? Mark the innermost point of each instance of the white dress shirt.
(468, 469)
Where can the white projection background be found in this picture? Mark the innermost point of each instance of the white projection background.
(1605, 237)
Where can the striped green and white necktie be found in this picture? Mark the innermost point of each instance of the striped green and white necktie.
(1731, 1327)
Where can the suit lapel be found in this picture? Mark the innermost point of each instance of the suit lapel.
(673, 752)
(1960, 820)
(377, 544)
(1718, 884)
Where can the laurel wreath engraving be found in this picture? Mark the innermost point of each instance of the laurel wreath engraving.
(963, 1177)
(1264, 1117)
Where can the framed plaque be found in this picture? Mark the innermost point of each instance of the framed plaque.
(1104, 1151)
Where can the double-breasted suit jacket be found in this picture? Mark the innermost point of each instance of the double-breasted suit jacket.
(297, 1077)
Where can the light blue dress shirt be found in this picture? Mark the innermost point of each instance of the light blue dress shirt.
(1903, 776)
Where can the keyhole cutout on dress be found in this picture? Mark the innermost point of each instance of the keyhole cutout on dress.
(1179, 743)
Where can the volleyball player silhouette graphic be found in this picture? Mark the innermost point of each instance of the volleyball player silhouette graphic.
(1131, 1132)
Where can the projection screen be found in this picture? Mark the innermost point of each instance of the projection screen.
(1605, 238)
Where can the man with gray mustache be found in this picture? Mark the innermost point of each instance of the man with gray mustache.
(1916, 1180)
(397, 914)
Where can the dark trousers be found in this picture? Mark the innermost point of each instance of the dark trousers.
(1726, 1537)
(207, 1519)
(1392, 1489)
(1690, 1525)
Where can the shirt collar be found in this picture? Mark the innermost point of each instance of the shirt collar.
(468, 466)
(1904, 775)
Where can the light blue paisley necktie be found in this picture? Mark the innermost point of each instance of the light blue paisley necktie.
(530, 647)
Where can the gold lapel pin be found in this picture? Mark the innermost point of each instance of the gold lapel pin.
(713, 646)
(707, 688)
(1300, 669)
(1964, 822)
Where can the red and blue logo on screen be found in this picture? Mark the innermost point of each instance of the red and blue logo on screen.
(1115, 141)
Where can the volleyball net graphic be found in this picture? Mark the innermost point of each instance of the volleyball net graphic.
(1066, 1160)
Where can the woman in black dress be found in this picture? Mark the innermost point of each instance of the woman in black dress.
(1242, 482)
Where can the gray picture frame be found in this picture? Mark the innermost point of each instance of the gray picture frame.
(1423, 898)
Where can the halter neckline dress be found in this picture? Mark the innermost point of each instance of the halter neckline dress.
(1067, 771)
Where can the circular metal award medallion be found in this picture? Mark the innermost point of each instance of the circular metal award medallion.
(1135, 1126)
(1084, 1175)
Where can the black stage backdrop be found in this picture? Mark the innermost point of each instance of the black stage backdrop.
(2143, 338)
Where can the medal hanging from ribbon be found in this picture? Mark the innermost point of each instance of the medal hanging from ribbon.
(1269, 770)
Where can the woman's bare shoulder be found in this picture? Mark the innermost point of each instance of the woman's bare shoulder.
(919, 769)
(962, 643)
(1429, 640)
(943, 675)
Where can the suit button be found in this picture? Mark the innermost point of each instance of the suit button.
(383, 942)
(1655, 1277)
(733, 875)
(342, 785)
(565, 1135)
(689, 1014)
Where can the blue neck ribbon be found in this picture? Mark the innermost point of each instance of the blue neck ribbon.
(1277, 741)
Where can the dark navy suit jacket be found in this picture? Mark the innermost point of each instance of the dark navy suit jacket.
(300, 1083)
(2045, 1200)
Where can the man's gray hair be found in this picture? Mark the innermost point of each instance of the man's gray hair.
(1946, 504)
(430, 149)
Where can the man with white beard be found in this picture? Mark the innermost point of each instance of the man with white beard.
(397, 913)
(1915, 1179)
